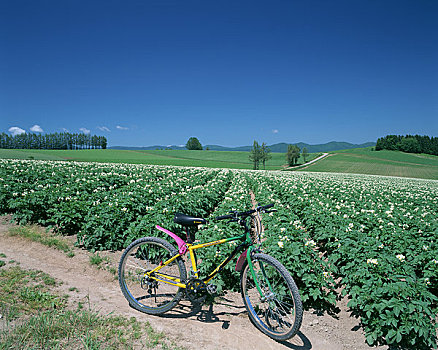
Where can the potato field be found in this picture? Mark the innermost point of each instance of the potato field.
(368, 238)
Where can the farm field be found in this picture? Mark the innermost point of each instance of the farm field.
(210, 159)
(388, 163)
(372, 237)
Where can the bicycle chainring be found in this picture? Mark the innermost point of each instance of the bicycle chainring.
(196, 290)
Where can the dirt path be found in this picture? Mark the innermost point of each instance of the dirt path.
(223, 325)
(305, 165)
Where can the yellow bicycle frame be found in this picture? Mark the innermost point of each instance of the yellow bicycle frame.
(175, 281)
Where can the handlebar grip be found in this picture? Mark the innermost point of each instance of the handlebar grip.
(268, 206)
(223, 217)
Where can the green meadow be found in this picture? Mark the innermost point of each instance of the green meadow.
(358, 161)
(211, 159)
(387, 163)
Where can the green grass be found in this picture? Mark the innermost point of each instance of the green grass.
(96, 259)
(36, 317)
(359, 161)
(387, 163)
(211, 159)
(37, 234)
(26, 154)
(26, 292)
(2, 263)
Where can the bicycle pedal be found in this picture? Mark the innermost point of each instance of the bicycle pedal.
(211, 288)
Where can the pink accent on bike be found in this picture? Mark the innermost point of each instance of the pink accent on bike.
(241, 261)
(182, 247)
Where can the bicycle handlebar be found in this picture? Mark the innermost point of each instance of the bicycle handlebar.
(236, 214)
(223, 217)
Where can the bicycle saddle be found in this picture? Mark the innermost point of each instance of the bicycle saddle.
(186, 220)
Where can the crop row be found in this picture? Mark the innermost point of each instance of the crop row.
(285, 236)
(107, 205)
(379, 238)
(374, 237)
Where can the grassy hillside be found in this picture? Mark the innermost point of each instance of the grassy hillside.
(359, 161)
(213, 159)
(389, 163)
(26, 154)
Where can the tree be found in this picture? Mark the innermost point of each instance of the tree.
(193, 144)
(255, 155)
(292, 155)
(305, 154)
(409, 145)
(265, 154)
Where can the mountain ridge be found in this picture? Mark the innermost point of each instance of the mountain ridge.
(275, 148)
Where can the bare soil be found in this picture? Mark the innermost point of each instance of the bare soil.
(221, 325)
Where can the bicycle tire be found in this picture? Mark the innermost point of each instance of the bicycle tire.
(143, 255)
(281, 314)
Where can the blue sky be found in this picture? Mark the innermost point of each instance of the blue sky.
(228, 72)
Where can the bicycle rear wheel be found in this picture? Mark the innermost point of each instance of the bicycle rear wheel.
(279, 311)
(147, 294)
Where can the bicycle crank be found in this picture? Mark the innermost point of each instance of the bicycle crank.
(195, 290)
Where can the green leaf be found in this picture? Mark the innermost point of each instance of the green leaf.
(390, 336)
(371, 338)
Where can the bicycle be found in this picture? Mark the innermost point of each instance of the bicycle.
(153, 277)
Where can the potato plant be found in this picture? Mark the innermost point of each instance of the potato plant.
(371, 239)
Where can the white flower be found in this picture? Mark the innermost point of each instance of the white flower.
(282, 229)
(280, 244)
(400, 257)
(427, 281)
(310, 242)
(372, 261)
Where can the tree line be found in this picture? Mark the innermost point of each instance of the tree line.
(63, 140)
(409, 144)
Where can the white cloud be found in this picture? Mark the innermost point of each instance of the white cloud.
(36, 128)
(84, 130)
(15, 130)
(122, 127)
(65, 130)
(103, 128)
(275, 131)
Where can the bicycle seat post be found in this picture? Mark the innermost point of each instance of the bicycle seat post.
(189, 237)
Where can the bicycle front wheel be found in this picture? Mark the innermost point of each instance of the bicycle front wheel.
(277, 311)
(151, 294)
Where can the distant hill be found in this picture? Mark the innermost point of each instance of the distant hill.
(276, 148)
